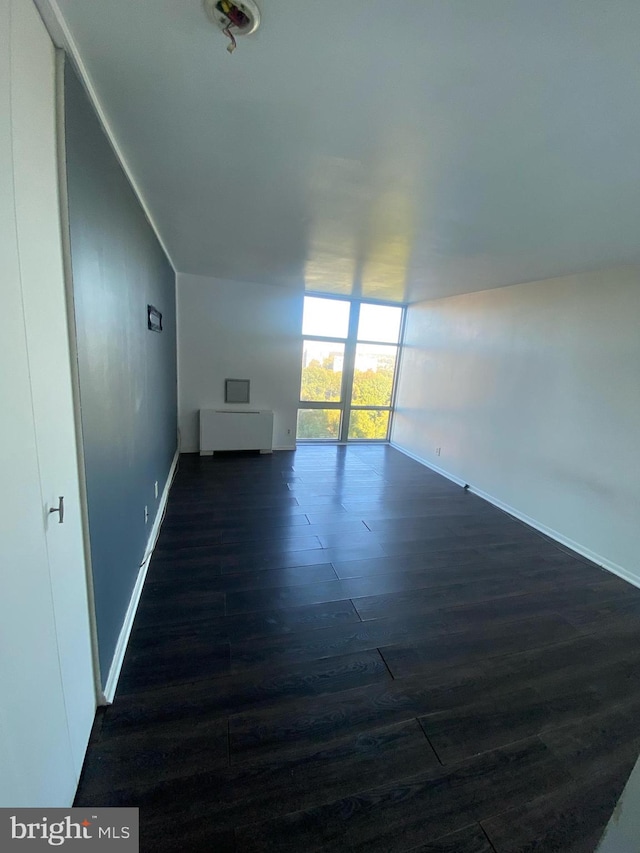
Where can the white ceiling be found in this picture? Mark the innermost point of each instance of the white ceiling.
(401, 149)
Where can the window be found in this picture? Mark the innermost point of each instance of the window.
(322, 367)
(379, 323)
(349, 359)
(328, 318)
(319, 423)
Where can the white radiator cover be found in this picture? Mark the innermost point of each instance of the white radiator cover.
(229, 429)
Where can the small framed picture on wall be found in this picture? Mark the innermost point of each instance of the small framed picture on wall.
(154, 319)
(236, 390)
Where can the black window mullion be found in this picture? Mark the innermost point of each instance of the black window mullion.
(349, 367)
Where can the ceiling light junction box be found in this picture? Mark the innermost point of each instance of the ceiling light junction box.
(240, 17)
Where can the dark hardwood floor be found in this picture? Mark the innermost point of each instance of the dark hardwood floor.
(339, 650)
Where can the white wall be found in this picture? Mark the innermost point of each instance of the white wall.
(533, 394)
(622, 834)
(230, 329)
(47, 698)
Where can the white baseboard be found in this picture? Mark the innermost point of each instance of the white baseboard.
(609, 565)
(286, 447)
(424, 462)
(127, 625)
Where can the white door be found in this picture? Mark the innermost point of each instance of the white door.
(47, 698)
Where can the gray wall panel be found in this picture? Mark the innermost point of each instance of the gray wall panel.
(127, 373)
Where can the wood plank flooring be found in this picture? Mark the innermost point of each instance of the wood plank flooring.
(339, 650)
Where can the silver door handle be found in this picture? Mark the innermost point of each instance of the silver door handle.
(59, 508)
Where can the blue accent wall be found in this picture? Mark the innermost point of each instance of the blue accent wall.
(127, 373)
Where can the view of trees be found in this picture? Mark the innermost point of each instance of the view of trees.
(318, 423)
(368, 424)
(373, 387)
(321, 381)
